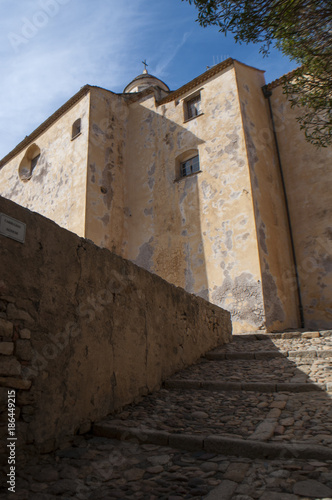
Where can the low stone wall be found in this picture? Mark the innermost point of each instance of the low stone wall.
(84, 332)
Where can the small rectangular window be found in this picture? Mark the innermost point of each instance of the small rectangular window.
(190, 166)
(194, 106)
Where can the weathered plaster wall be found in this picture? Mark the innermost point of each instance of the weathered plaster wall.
(308, 177)
(163, 216)
(280, 300)
(105, 183)
(84, 332)
(198, 232)
(58, 184)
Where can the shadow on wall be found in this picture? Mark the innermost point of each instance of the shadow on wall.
(164, 233)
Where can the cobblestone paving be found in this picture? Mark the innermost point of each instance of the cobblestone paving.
(200, 412)
(241, 344)
(103, 469)
(97, 468)
(274, 370)
(295, 417)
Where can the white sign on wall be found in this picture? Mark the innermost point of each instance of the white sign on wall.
(12, 228)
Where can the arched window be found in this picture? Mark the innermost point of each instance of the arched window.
(29, 163)
(76, 128)
(187, 163)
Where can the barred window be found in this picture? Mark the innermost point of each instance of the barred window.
(189, 166)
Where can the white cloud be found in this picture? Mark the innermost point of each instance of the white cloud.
(100, 42)
(80, 44)
(172, 51)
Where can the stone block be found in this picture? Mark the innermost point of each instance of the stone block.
(9, 366)
(186, 442)
(269, 354)
(25, 334)
(273, 495)
(237, 471)
(312, 489)
(7, 348)
(310, 335)
(182, 384)
(15, 383)
(220, 386)
(240, 355)
(23, 349)
(224, 491)
(264, 431)
(326, 333)
(302, 354)
(18, 314)
(6, 328)
(291, 335)
(258, 386)
(25, 398)
(85, 427)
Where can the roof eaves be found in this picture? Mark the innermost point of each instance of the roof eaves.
(46, 124)
(282, 79)
(197, 81)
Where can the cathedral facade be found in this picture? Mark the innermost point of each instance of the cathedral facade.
(211, 186)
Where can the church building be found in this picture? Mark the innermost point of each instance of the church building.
(211, 186)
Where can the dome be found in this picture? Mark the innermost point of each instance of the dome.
(143, 81)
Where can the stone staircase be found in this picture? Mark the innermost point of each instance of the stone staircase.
(252, 420)
(263, 397)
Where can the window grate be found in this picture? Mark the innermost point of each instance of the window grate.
(190, 166)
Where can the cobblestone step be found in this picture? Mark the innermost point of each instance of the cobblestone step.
(214, 444)
(245, 386)
(254, 423)
(275, 372)
(269, 417)
(312, 354)
(96, 468)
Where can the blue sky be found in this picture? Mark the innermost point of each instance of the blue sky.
(49, 49)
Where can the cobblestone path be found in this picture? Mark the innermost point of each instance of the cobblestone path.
(251, 420)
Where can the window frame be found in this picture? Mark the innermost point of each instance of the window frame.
(183, 158)
(191, 164)
(188, 111)
(76, 128)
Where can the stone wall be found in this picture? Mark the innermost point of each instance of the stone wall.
(308, 178)
(84, 332)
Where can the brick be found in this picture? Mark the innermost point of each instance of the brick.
(6, 328)
(7, 348)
